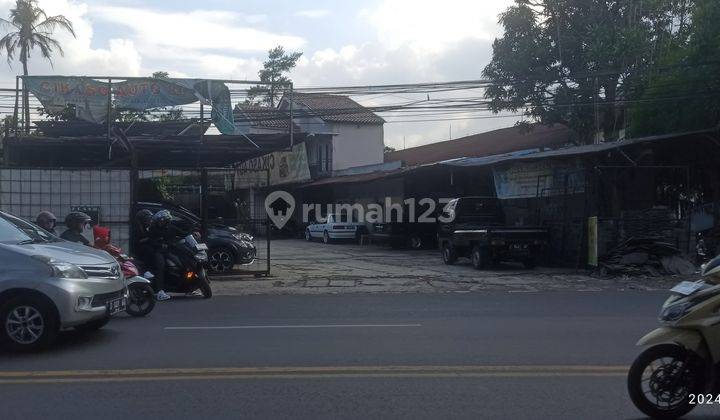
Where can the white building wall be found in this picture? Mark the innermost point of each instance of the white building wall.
(356, 145)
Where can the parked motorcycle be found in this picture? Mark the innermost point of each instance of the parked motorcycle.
(681, 366)
(185, 267)
(141, 296)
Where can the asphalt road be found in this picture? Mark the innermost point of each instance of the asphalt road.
(477, 355)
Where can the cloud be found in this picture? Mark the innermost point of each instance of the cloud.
(430, 25)
(201, 30)
(313, 13)
(415, 41)
(373, 63)
(119, 57)
(407, 41)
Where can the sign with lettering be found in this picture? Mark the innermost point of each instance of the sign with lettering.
(285, 167)
(89, 96)
(542, 178)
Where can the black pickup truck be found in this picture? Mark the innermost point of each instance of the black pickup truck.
(474, 227)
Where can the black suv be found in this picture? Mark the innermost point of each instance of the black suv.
(227, 246)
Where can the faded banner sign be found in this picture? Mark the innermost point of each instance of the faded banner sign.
(285, 167)
(543, 178)
(89, 96)
(151, 93)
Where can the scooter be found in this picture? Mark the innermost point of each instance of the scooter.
(185, 267)
(680, 369)
(141, 297)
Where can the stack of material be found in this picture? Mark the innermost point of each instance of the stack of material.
(649, 256)
(656, 222)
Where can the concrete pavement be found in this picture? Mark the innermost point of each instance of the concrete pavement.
(300, 267)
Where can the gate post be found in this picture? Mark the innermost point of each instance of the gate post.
(204, 201)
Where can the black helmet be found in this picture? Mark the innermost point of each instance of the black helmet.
(46, 220)
(144, 217)
(162, 217)
(76, 220)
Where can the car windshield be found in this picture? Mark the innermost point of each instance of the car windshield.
(18, 231)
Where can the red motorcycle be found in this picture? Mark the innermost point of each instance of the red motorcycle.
(141, 296)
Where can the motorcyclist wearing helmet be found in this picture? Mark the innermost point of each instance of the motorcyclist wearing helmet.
(161, 233)
(76, 223)
(141, 246)
(47, 221)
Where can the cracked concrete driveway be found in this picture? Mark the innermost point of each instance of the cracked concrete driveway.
(300, 267)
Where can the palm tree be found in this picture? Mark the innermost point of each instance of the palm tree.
(31, 28)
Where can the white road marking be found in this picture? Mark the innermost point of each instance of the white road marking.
(260, 327)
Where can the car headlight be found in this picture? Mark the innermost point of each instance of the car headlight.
(674, 312)
(243, 237)
(67, 270)
(62, 269)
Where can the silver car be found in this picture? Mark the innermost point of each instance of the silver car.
(48, 284)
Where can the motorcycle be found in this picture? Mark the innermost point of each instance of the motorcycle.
(185, 267)
(141, 296)
(681, 366)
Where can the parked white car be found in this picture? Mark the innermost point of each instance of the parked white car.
(335, 227)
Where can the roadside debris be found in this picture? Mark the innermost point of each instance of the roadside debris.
(649, 256)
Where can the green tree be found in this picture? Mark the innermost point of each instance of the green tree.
(689, 72)
(273, 73)
(576, 61)
(30, 27)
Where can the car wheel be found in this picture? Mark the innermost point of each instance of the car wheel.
(93, 325)
(308, 236)
(449, 255)
(529, 263)
(221, 260)
(326, 237)
(141, 300)
(28, 323)
(415, 242)
(478, 258)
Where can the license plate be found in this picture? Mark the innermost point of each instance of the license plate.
(686, 288)
(202, 247)
(115, 306)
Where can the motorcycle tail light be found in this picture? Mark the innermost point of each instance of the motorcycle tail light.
(189, 275)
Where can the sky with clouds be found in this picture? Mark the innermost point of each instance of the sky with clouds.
(343, 43)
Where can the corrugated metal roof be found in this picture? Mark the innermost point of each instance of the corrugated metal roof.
(566, 152)
(350, 179)
(494, 142)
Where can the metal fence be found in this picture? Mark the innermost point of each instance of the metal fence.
(105, 193)
(109, 195)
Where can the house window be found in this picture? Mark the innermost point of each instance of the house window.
(328, 157)
(323, 157)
